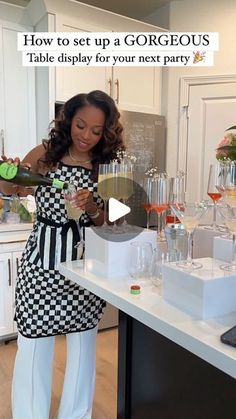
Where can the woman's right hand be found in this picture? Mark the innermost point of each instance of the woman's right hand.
(9, 188)
(16, 161)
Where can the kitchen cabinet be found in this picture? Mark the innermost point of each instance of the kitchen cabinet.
(9, 263)
(133, 88)
(73, 80)
(16, 256)
(6, 309)
(12, 242)
(17, 99)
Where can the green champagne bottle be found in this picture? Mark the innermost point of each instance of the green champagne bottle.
(9, 172)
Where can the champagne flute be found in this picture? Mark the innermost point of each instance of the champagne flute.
(105, 187)
(73, 213)
(115, 187)
(126, 185)
(227, 185)
(229, 215)
(146, 198)
(189, 214)
(176, 195)
(214, 182)
(159, 200)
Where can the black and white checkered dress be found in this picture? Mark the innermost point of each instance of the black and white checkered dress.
(46, 302)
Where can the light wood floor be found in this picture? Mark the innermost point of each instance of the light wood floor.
(106, 378)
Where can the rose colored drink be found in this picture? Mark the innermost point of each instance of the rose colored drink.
(147, 207)
(215, 196)
(159, 208)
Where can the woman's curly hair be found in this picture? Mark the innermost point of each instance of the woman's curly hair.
(60, 135)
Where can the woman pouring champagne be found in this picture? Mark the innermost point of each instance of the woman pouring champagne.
(87, 132)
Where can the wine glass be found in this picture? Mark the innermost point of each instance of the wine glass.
(114, 187)
(189, 214)
(229, 215)
(105, 188)
(126, 185)
(227, 185)
(159, 199)
(213, 190)
(176, 195)
(140, 256)
(73, 213)
(146, 198)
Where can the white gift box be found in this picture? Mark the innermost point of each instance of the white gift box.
(223, 249)
(109, 258)
(204, 293)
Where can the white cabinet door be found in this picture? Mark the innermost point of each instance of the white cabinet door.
(6, 309)
(211, 110)
(137, 89)
(17, 99)
(16, 256)
(133, 88)
(10, 255)
(73, 80)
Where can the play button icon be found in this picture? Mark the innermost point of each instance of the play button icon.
(117, 209)
(113, 191)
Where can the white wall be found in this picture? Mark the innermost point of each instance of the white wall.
(191, 15)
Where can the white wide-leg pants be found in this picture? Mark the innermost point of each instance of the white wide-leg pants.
(32, 378)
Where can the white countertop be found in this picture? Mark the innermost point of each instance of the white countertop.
(201, 337)
(10, 233)
(4, 227)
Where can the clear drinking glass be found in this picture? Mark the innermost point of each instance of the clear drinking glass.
(176, 194)
(160, 200)
(73, 213)
(146, 198)
(213, 190)
(229, 215)
(105, 188)
(126, 185)
(189, 215)
(140, 256)
(227, 185)
(114, 187)
(158, 259)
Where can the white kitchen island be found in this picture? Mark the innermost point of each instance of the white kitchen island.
(171, 365)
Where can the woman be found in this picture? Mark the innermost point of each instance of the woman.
(87, 132)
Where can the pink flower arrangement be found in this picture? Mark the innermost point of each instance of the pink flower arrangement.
(226, 149)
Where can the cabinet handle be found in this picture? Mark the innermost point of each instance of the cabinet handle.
(9, 272)
(117, 91)
(110, 86)
(2, 141)
(17, 266)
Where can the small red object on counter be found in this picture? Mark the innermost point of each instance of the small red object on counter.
(135, 289)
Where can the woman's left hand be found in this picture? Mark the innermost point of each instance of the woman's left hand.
(84, 200)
